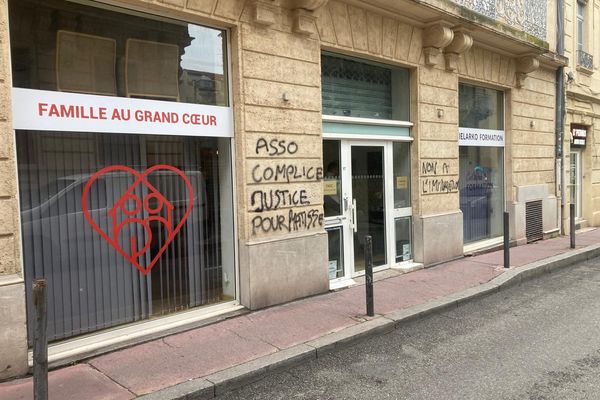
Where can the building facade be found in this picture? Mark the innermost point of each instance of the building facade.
(582, 47)
(166, 161)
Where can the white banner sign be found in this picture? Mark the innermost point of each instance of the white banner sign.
(480, 137)
(71, 112)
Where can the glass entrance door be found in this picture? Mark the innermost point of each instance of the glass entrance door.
(575, 181)
(358, 200)
(368, 203)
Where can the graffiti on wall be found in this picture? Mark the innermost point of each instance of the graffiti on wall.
(276, 208)
(437, 177)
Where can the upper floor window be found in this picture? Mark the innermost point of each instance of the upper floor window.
(583, 58)
(581, 25)
(364, 89)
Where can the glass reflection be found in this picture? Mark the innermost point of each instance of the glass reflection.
(403, 239)
(102, 51)
(332, 182)
(336, 253)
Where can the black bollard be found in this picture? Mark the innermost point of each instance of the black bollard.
(506, 241)
(369, 275)
(572, 224)
(40, 340)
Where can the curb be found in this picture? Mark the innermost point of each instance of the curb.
(213, 385)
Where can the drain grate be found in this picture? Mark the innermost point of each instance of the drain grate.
(533, 221)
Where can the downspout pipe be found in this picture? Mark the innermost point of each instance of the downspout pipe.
(560, 105)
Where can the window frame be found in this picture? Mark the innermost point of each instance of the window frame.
(178, 320)
(580, 25)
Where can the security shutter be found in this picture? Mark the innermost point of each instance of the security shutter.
(533, 221)
(355, 89)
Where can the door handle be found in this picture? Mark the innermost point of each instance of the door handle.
(354, 224)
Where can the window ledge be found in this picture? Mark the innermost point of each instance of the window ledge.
(584, 70)
(366, 121)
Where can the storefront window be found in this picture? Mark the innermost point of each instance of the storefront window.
(481, 162)
(92, 285)
(401, 174)
(356, 88)
(123, 136)
(481, 107)
(64, 46)
(332, 181)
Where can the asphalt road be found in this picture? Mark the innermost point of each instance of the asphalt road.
(540, 340)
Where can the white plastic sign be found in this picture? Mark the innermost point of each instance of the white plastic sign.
(59, 111)
(480, 137)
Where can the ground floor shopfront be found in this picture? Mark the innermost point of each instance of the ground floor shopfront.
(164, 163)
(582, 119)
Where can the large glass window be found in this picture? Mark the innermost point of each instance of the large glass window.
(167, 215)
(480, 107)
(481, 185)
(70, 47)
(481, 161)
(332, 180)
(123, 226)
(357, 88)
(401, 174)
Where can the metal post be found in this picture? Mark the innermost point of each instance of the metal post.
(369, 275)
(572, 224)
(506, 241)
(40, 340)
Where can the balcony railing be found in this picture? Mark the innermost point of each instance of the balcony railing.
(585, 60)
(526, 15)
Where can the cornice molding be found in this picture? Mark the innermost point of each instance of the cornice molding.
(525, 66)
(309, 5)
(436, 36)
(460, 44)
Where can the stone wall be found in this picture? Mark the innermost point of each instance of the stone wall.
(9, 221)
(283, 245)
(13, 333)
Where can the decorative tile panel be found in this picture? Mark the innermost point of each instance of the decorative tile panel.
(527, 15)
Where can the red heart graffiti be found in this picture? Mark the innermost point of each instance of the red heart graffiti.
(161, 213)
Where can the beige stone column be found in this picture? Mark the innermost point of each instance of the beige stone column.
(283, 246)
(13, 332)
(438, 222)
(438, 225)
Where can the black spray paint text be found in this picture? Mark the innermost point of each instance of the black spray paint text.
(285, 173)
(431, 168)
(275, 147)
(266, 200)
(290, 222)
(439, 185)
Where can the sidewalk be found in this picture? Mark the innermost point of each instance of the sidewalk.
(216, 357)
